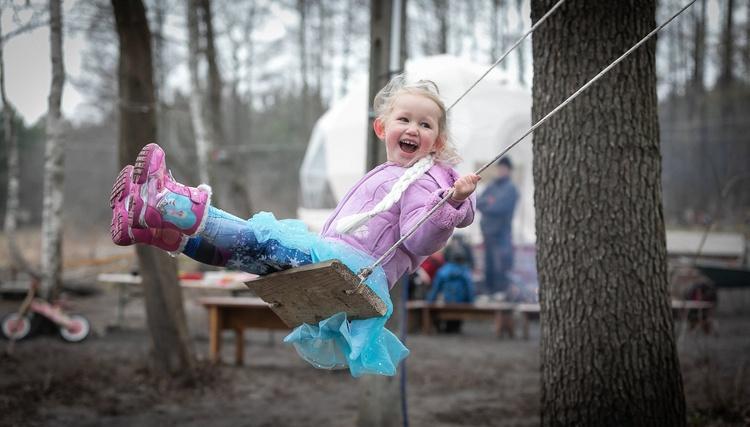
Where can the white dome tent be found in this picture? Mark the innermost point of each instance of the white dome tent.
(488, 119)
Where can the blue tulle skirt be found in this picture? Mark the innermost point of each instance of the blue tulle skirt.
(364, 346)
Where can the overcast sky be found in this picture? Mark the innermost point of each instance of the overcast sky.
(28, 67)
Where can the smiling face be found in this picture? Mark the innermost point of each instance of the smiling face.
(411, 129)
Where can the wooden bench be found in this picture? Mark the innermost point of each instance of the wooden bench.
(680, 308)
(528, 312)
(237, 314)
(425, 313)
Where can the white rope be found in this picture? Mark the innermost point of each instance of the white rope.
(507, 52)
(351, 223)
(365, 272)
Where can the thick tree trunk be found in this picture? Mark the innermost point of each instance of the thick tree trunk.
(171, 351)
(53, 164)
(608, 349)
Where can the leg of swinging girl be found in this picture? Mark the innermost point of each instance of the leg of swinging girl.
(230, 241)
(204, 252)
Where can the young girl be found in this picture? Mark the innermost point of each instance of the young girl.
(150, 207)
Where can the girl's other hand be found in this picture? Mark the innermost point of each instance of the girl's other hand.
(463, 188)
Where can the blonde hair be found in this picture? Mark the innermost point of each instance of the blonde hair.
(398, 85)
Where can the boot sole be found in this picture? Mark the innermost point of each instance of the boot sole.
(118, 228)
(140, 176)
(142, 163)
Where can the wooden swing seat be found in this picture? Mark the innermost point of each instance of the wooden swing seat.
(314, 292)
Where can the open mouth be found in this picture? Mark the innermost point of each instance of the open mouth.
(408, 146)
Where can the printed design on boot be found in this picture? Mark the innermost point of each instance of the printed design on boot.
(161, 202)
(177, 209)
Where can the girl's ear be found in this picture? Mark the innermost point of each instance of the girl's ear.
(379, 127)
(440, 143)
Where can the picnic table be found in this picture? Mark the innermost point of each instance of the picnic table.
(237, 314)
(424, 313)
(220, 280)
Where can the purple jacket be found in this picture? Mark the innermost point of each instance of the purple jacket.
(386, 228)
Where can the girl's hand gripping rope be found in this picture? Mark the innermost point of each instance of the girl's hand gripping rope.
(463, 188)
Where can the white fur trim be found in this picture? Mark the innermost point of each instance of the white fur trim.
(181, 248)
(207, 189)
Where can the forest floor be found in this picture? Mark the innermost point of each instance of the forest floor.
(471, 379)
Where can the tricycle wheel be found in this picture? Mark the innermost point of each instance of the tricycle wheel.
(17, 327)
(78, 331)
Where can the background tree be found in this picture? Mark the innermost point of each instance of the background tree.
(165, 315)
(203, 143)
(53, 163)
(726, 69)
(10, 139)
(607, 342)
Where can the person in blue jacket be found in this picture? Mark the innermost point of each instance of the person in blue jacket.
(453, 281)
(497, 204)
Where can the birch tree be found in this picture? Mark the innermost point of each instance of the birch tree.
(521, 51)
(203, 144)
(608, 350)
(53, 163)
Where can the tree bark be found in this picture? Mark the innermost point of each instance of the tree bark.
(53, 164)
(171, 349)
(608, 349)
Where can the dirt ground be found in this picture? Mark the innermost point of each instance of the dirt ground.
(472, 379)
(469, 379)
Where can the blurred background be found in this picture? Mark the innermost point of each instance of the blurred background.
(284, 64)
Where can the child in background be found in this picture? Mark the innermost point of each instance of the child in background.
(453, 281)
(150, 207)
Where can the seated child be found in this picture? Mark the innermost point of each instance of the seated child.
(150, 207)
(453, 281)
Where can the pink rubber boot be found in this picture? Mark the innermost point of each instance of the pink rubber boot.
(160, 202)
(122, 234)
